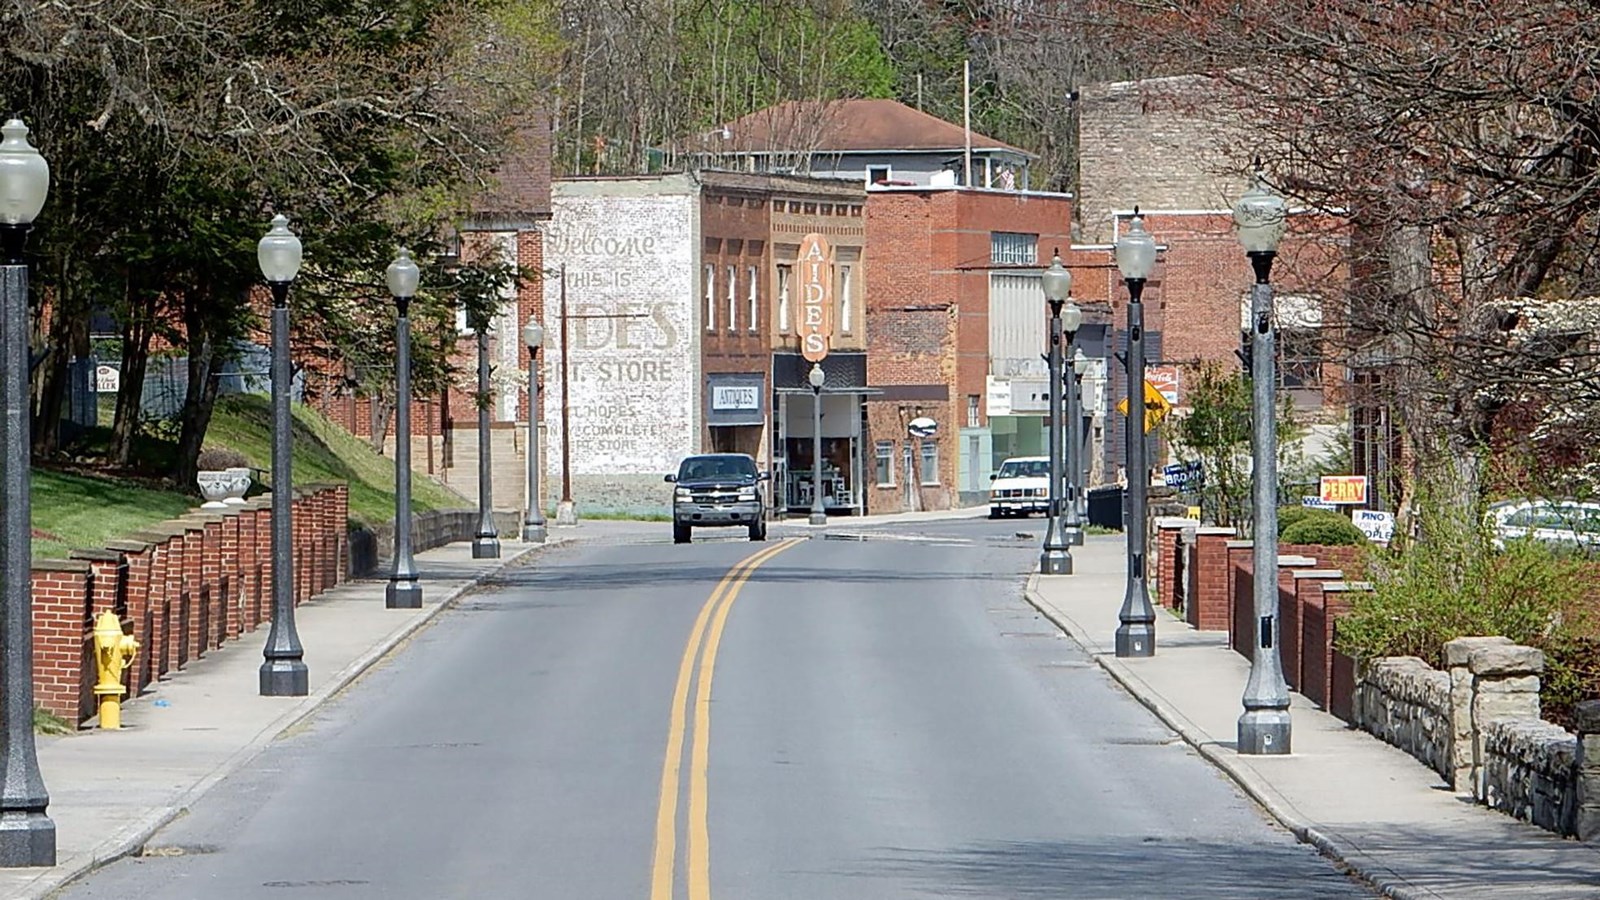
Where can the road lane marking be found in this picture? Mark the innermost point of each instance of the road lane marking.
(666, 849)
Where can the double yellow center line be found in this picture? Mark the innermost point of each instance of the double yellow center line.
(703, 641)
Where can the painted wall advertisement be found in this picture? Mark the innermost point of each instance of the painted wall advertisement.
(630, 322)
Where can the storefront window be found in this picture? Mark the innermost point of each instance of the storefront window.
(885, 463)
(930, 462)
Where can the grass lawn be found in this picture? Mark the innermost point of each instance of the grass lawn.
(78, 509)
(73, 512)
(323, 452)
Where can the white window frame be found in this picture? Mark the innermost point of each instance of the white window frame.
(1013, 248)
(733, 298)
(711, 298)
(974, 410)
(883, 458)
(785, 275)
(754, 299)
(929, 448)
(845, 306)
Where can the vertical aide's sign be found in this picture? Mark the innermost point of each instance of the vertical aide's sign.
(815, 266)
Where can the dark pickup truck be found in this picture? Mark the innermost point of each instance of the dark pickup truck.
(718, 489)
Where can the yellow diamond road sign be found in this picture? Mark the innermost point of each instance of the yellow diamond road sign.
(1156, 406)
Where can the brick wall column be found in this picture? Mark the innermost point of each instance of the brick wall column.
(341, 522)
(1241, 628)
(231, 582)
(323, 501)
(61, 606)
(1207, 596)
(199, 611)
(136, 589)
(1336, 601)
(1168, 533)
(1303, 611)
(1289, 616)
(177, 600)
(263, 555)
(300, 528)
(215, 591)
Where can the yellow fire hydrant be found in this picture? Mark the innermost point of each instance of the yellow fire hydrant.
(113, 653)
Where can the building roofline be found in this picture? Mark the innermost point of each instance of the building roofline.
(931, 188)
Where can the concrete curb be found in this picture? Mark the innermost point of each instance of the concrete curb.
(1255, 787)
(133, 838)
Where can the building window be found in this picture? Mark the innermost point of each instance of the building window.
(783, 299)
(844, 298)
(711, 298)
(972, 410)
(1300, 361)
(750, 273)
(877, 174)
(885, 463)
(930, 462)
(1009, 248)
(733, 299)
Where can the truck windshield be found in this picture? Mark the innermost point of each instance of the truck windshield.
(696, 468)
(1016, 468)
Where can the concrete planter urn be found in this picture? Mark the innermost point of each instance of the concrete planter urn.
(236, 488)
(215, 486)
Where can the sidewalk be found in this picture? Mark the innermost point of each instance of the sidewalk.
(1358, 800)
(110, 791)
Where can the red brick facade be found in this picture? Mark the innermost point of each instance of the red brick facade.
(928, 316)
(174, 590)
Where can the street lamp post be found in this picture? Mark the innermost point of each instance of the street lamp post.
(818, 378)
(283, 674)
(403, 591)
(27, 833)
(1076, 463)
(486, 540)
(1261, 217)
(1055, 558)
(1136, 258)
(1072, 486)
(533, 530)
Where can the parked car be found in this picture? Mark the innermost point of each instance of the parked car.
(1020, 487)
(718, 490)
(1565, 523)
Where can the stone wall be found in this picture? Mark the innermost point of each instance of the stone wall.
(1405, 702)
(1529, 772)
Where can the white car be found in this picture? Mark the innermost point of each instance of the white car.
(1020, 487)
(1569, 523)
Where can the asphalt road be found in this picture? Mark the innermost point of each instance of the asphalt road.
(873, 718)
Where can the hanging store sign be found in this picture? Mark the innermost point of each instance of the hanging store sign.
(815, 264)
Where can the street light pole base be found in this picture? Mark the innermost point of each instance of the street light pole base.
(818, 518)
(485, 546)
(1072, 536)
(1055, 562)
(566, 513)
(1136, 639)
(284, 678)
(533, 532)
(403, 593)
(27, 839)
(1264, 732)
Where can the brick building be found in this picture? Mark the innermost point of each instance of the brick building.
(955, 311)
(1162, 145)
(682, 333)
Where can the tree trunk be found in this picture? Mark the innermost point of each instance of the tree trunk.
(130, 391)
(199, 400)
(52, 389)
(382, 411)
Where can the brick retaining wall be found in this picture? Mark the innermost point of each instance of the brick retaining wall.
(182, 588)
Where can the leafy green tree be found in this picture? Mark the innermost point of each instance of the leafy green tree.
(1216, 432)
